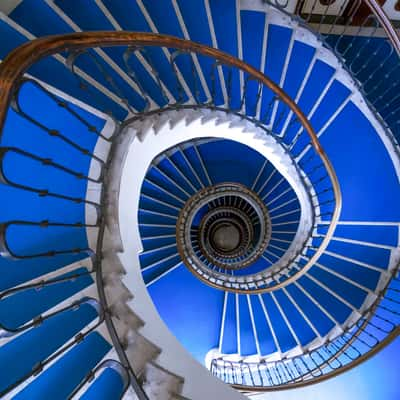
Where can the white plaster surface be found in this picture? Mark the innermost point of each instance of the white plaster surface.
(6, 6)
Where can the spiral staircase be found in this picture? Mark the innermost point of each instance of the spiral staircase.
(198, 198)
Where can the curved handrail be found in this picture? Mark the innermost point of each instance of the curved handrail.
(384, 20)
(394, 39)
(378, 12)
(323, 377)
(343, 20)
(362, 324)
(19, 60)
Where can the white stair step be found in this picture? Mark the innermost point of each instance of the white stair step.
(111, 263)
(120, 309)
(140, 352)
(159, 384)
(116, 291)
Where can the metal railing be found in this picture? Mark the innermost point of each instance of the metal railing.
(271, 278)
(364, 39)
(187, 92)
(12, 81)
(376, 328)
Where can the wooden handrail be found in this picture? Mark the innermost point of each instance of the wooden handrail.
(24, 56)
(20, 59)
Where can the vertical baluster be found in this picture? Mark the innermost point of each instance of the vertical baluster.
(128, 53)
(180, 89)
(71, 64)
(195, 78)
(213, 75)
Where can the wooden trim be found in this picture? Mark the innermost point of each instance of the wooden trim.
(20, 59)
